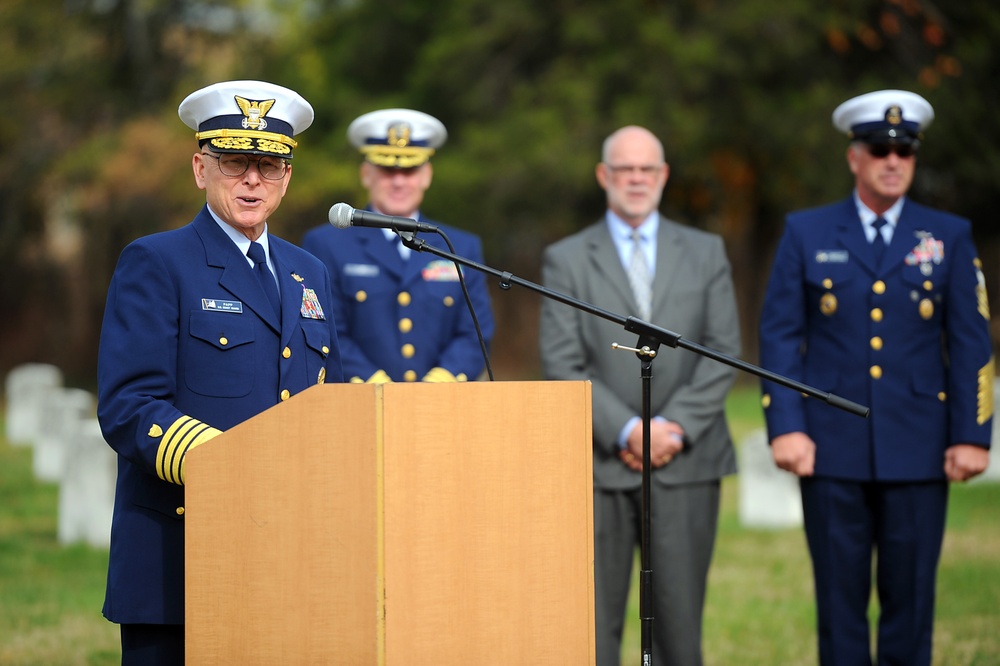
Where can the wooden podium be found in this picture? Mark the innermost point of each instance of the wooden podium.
(399, 524)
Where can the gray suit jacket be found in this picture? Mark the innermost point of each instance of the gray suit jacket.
(692, 296)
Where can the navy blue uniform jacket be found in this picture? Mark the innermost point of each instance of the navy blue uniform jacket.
(403, 317)
(909, 338)
(189, 341)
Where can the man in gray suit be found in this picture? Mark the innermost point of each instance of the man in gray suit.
(681, 282)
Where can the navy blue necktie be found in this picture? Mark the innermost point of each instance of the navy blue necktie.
(878, 243)
(263, 273)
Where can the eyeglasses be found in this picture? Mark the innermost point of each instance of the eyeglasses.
(902, 150)
(645, 170)
(236, 164)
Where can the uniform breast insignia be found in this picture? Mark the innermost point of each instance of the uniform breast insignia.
(927, 253)
(832, 256)
(219, 305)
(311, 309)
(440, 270)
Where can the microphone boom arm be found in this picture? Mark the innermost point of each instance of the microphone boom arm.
(645, 329)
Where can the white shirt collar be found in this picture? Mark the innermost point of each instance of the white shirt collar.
(242, 242)
(868, 216)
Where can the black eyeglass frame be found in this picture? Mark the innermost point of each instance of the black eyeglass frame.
(279, 165)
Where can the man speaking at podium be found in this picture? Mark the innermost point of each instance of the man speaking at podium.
(205, 327)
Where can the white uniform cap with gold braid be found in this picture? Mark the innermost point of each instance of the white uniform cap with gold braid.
(252, 117)
(397, 138)
(884, 116)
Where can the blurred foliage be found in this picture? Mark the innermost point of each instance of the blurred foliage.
(741, 93)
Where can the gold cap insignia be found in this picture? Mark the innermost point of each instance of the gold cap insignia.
(254, 112)
(399, 135)
(894, 115)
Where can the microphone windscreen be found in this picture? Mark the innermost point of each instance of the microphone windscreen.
(340, 215)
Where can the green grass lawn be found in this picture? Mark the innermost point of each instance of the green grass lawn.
(759, 609)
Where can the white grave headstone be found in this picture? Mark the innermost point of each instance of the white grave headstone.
(769, 496)
(64, 410)
(26, 386)
(87, 488)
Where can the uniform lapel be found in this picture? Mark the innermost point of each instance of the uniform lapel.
(851, 237)
(237, 276)
(904, 238)
(291, 291)
(381, 252)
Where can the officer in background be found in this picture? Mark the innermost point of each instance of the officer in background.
(881, 301)
(205, 326)
(401, 315)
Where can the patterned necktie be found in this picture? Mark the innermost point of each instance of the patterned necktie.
(263, 273)
(878, 243)
(638, 276)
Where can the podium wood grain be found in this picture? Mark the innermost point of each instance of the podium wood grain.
(396, 524)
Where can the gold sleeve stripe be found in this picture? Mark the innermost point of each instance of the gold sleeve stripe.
(182, 435)
(983, 302)
(985, 397)
(207, 433)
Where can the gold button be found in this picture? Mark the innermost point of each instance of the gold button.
(405, 325)
(926, 308)
(942, 396)
(410, 376)
(928, 285)
(876, 314)
(827, 283)
(223, 341)
(828, 304)
(403, 298)
(876, 343)
(180, 511)
(286, 352)
(765, 400)
(876, 372)
(361, 296)
(879, 287)
(326, 350)
(285, 395)
(321, 378)
(448, 301)
(408, 351)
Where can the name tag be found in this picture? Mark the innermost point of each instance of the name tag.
(361, 270)
(217, 305)
(832, 256)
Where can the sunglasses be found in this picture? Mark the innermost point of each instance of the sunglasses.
(880, 150)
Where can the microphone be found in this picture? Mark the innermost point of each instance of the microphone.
(343, 216)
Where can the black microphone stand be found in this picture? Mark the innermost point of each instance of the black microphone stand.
(647, 347)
